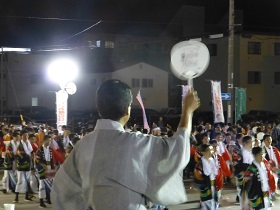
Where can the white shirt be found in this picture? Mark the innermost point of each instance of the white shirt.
(221, 148)
(15, 146)
(27, 147)
(54, 145)
(263, 175)
(247, 156)
(209, 167)
(66, 141)
(47, 153)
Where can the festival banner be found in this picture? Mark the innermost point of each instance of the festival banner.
(240, 103)
(146, 125)
(61, 108)
(217, 102)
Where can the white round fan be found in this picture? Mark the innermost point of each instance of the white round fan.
(189, 59)
(70, 88)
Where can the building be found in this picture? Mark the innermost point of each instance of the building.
(27, 83)
(144, 63)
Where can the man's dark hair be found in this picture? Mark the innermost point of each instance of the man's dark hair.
(256, 150)
(265, 136)
(238, 136)
(213, 141)
(245, 139)
(199, 128)
(259, 130)
(112, 99)
(23, 132)
(46, 137)
(204, 147)
(204, 135)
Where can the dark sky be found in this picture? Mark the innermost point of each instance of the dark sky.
(39, 22)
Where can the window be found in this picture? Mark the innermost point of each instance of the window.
(254, 48)
(212, 49)
(150, 83)
(98, 43)
(135, 83)
(276, 48)
(254, 77)
(277, 78)
(109, 44)
(34, 101)
(147, 83)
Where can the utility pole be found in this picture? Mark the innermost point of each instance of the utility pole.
(2, 82)
(230, 103)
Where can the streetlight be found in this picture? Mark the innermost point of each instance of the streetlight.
(63, 71)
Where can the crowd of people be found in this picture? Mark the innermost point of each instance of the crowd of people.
(31, 156)
(245, 155)
(127, 167)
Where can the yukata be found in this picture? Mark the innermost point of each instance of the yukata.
(258, 181)
(46, 160)
(23, 161)
(241, 159)
(113, 169)
(9, 179)
(205, 173)
(223, 171)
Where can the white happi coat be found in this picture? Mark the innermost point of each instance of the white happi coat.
(113, 169)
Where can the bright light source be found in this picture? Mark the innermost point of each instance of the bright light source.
(63, 71)
(13, 49)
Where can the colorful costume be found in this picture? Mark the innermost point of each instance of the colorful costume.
(223, 171)
(9, 179)
(241, 159)
(257, 183)
(23, 159)
(46, 160)
(205, 173)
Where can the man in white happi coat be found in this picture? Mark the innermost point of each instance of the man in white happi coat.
(23, 160)
(9, 179)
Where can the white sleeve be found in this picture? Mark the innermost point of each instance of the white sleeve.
(67, 193)
(29, 146)
(66, 141)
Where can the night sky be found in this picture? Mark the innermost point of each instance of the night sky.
(43, 22)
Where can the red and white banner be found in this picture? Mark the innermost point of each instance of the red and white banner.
(61, 108)
(146, 125)
(217, 102)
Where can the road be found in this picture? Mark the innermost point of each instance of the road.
(227, 202)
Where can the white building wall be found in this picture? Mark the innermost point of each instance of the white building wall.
(153, 98)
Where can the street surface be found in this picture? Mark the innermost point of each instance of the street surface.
(227, 203)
